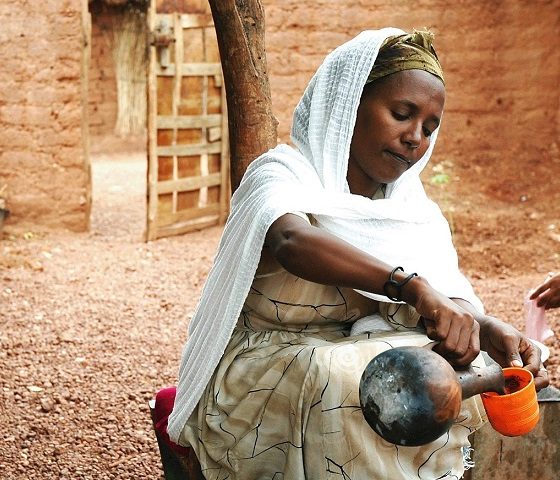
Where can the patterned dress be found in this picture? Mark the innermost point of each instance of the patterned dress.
(283, 402)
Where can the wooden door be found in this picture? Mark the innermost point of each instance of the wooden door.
(188, 160)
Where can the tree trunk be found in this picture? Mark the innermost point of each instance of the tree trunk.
(252, 125)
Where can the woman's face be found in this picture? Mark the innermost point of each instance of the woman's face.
(396, 118)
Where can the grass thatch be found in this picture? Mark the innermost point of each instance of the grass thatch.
(130, 55)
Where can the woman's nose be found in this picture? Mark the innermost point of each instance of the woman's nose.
(412, 137)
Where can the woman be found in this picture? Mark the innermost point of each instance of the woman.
(334, 236)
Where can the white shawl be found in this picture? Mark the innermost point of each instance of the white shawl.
(405, 228)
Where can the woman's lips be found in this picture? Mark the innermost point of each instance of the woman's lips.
(400, 158)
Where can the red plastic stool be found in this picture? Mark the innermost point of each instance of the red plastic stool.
(179, 463)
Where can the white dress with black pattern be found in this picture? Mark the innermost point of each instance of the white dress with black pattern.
(283, 402)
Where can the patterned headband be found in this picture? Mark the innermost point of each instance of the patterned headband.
(406, 52)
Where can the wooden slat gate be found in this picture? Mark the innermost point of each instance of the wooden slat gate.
(188, 158)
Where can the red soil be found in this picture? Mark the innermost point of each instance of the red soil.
(93, 324)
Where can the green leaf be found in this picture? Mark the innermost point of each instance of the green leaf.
(440, 179)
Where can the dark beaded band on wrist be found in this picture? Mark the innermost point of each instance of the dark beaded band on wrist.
(393, 284)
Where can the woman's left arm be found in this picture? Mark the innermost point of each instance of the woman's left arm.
(506, 345)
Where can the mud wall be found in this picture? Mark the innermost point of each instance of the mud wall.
(500, 62)
(102, 98)
(43, 154)
(500, 59)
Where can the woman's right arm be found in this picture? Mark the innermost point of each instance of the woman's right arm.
(318, 256)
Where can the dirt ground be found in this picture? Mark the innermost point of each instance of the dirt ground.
(92, 325)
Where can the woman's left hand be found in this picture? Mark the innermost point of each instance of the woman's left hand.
(510, 348)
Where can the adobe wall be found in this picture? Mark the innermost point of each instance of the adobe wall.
(102, 98)
(43, 157)
(500, 59)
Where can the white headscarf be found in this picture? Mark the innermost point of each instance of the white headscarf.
(405, 228)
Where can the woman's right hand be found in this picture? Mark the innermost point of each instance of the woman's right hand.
(446, 322)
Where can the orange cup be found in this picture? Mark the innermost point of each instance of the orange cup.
(517, 412)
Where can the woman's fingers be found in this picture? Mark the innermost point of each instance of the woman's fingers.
(544, 299)
(549, 299)
(460, 331)
(540, 289)
(512, 354)
(473, 348)
(548, 293)
(437, 325)
(541, 378)
(458, 334)
(450, 342)
(531, 357)
(522, 352)
(462, 357)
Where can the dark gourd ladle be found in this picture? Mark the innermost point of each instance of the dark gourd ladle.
(411, 395)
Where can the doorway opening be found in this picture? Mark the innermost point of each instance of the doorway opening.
(170, 146)
(117, 117)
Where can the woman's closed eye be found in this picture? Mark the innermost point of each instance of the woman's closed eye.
(401, 117)
(427, 132)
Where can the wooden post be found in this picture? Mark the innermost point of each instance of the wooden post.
(252, 125)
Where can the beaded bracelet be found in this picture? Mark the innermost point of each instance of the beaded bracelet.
(392, 283)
